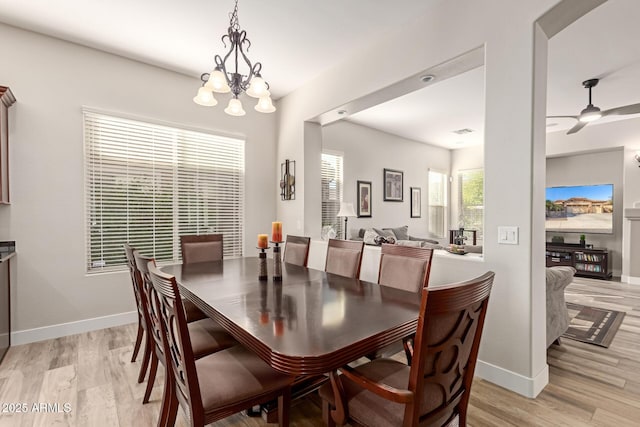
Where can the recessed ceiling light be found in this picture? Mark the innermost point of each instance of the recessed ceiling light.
(427, 78)
(342, 112)
(462, 131)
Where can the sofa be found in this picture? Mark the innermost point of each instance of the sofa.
(398, 235)
(557, 313)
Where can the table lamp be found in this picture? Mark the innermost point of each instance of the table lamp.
(346, 210)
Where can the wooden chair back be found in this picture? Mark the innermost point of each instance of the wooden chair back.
(296, 250)
(344, 257)
(405, 267)
(176, 341)
(446, 350)
(154, 327)
(201, 248)
(136, 280)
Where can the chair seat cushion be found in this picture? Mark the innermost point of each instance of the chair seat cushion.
(235, 375)
(295, 253)
(202, 251)
(208, 337)
(192, 312)
(343, 261)
(402, 272)
(367, 407)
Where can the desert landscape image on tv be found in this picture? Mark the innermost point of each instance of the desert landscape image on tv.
(580, 209)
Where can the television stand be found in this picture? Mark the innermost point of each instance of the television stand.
(588, 262)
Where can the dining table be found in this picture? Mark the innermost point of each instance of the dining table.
(308, 322)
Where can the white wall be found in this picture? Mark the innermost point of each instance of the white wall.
(586, 169)
(52, 80)
(513, 352)
(367, 152)
(596, 137)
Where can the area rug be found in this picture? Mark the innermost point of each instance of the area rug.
(593, 325)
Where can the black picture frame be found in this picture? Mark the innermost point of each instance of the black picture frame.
(416, 202)
(364, 199)
(393, 185)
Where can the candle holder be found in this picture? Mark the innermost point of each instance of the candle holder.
(262, 256)
(277, 262)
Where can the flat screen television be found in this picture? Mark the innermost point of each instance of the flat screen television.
(580, 209)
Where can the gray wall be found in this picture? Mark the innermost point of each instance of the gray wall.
(593, 168)
(367, 152)
(52, 80)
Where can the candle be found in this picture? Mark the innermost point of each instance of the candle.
(263, 241)
(276, 231)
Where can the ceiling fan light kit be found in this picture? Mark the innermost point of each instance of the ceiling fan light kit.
(220, 80)
(592, 113)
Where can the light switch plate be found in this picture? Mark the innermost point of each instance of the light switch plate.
(507, 235)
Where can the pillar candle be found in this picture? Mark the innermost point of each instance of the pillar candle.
(276, 231)
(263, 241)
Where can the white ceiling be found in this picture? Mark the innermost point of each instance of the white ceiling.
(297, 40)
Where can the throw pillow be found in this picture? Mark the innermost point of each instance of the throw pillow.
(401, 233)
(385, 232)
(370, 237)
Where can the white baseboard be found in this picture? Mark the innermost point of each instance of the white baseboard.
(630, 280)
(529, 387)
(63, 329)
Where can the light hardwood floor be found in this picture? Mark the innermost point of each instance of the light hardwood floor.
(93, 375)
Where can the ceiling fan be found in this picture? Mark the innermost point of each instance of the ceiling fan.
(591, 112)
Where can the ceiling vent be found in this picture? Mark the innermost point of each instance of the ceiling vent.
(463, 131)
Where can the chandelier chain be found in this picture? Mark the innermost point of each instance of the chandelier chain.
(234, 22)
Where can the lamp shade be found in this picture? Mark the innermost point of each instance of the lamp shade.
(235, 108)
(258, 88)
(265, 105)
(346, 209)
(205, 97)
(217, 82)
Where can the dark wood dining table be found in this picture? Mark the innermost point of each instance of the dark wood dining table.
(309, 323)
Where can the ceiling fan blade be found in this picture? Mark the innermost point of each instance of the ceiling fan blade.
(577, 127)
(562, 117)
(627, 109)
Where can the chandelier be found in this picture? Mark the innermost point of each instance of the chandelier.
(222, 80)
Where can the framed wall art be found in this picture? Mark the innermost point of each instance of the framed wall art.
(416, 202)
(393, 189)
(364, 199)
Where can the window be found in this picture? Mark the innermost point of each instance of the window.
(331, 178)
(437, 203)
(147, 184)
(471, 193)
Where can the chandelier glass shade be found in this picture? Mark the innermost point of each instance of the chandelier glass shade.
(227, 76)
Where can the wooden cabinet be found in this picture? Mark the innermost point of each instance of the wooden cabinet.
(7, 251)
(6, 100)
(590, 262)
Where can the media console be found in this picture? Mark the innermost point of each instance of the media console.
(588, 262)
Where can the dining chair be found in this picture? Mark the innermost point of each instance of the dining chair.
(217, 385)
(344, 257)
(206, 335)
(143, 315)
(296, 250)
(406, 268)
(199, 248)
(435, 389)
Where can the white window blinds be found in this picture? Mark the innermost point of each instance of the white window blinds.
(331, 178)
(147, 184)
(437, 203)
